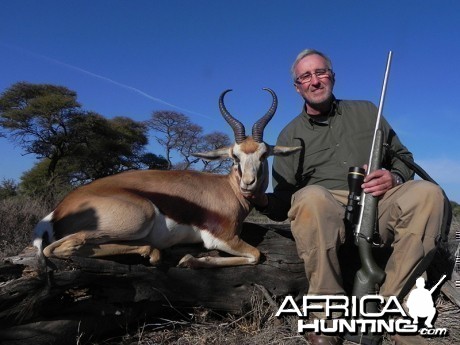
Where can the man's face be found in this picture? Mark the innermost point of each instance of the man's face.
(318, 91)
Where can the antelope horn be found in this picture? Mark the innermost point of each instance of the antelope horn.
(259, 126)
(237, 126)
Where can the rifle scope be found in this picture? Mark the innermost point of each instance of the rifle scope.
(355, 180)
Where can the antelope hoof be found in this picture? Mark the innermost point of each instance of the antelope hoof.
(187, 261)
(155, 257)
(63, 250)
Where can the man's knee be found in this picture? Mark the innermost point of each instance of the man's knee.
(421, 201)
(314, 196)
(315, 209)
(425, 191)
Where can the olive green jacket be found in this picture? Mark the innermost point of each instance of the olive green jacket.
(328, 150)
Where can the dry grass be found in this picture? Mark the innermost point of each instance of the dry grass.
(203, 326)
(18, 216)
(257, 326)
(199, 326)
(260, 326)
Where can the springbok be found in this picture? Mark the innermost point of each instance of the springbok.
(143, 212)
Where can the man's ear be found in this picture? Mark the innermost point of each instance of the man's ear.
(218, 154)
(296, 86)
(283, 150)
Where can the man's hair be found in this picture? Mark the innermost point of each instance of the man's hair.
(305, 53)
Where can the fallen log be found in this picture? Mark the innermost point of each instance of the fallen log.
(84, 299)
(81, 300)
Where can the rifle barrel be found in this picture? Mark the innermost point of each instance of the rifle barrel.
(384, 91)
(374, 164)
(437, 284)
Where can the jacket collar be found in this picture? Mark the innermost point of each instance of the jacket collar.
(336, 108)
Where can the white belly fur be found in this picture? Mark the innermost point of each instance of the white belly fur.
(166, 232)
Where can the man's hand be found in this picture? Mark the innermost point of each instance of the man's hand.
(378, 182)
(260, 200)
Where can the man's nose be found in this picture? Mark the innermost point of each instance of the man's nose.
(314, 79)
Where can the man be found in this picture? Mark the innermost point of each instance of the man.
(311, 189)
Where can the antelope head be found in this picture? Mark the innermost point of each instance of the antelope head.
(249, 153)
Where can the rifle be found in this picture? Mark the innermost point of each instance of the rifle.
(370, 275)
(437, 284)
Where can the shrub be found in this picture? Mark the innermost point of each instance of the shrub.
(18, 217)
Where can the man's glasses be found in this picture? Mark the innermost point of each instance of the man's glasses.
(306, 77)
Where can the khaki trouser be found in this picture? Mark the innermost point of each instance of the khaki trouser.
(410, 217)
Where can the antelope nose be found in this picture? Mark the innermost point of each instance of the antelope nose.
(248, 180)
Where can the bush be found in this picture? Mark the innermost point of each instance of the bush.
(455, 209)
(8, 189)
(18, 217)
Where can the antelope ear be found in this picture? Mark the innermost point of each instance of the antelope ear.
(284, 150)
(222, 153)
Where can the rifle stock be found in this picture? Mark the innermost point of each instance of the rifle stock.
(370, 274)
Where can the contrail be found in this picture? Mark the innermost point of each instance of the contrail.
(128, 87)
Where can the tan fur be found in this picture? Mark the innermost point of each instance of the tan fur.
(249, 146)
(114, 215)
(142, 211)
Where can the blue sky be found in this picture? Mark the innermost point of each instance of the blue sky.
(131, 58)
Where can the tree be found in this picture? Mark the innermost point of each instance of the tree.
(36, 116)
(177, 134)
(188, 141)
(97, 147)
(8, 188)
(103, 147)
(74, 146)
(169, 124)
(153, 161)
(213, 141)
(37, 182)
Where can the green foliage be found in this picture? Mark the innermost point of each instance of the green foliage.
(74, 146)
(153, 161)
(8, 189)
(455, 209)
(36, 182)
(36, 117)
(104, 147)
